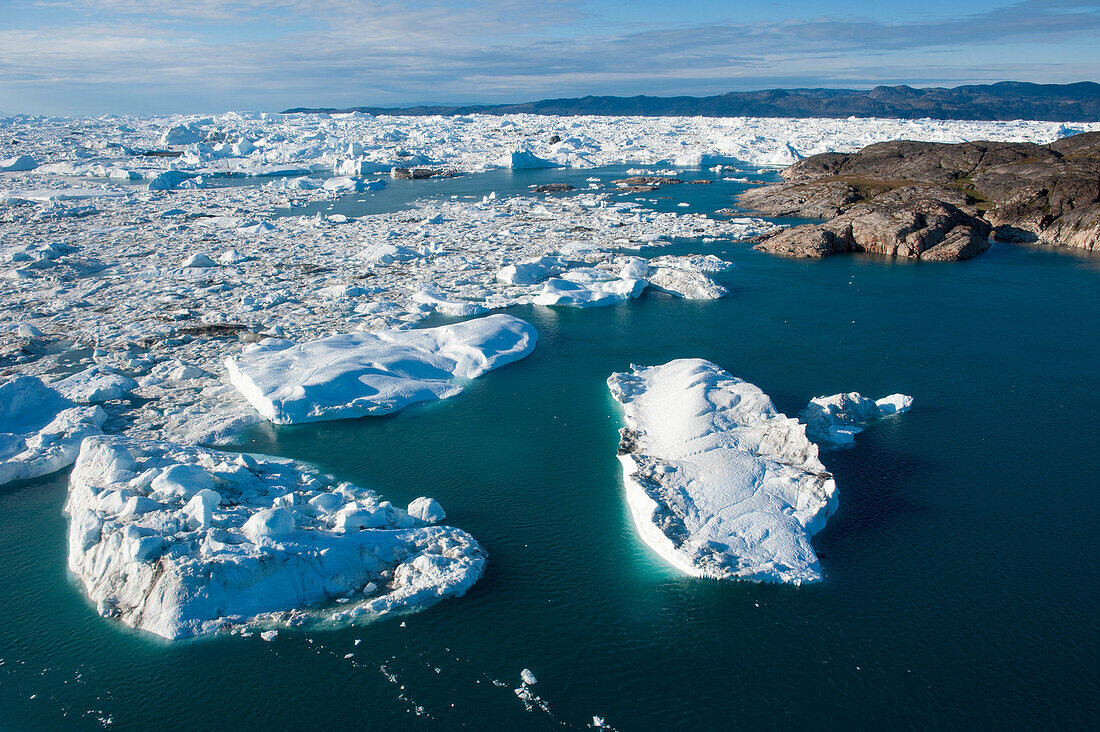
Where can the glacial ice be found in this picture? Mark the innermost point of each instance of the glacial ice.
(18, 163)
(357, 374)
(95, 385)
(531, 271)
(719, 483)
(525, 159)
(185, 541)
(834, 421)
(40, 429)
(567, 293)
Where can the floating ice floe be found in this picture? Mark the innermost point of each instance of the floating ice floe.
(184, 541)
(41, 430)
(440, 303)
(49, 195)
(353, 185)
(719, 483)
(685, 276)
(525, 159)
(558, 292)
(834, 421)
(95, 385)
(531, 271)
(19, 163)
(357, 374)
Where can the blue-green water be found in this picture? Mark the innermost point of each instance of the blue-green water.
(960, 584)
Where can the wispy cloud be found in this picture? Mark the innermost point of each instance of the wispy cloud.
(161, 54)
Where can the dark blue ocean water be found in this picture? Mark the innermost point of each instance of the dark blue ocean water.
(960, 583)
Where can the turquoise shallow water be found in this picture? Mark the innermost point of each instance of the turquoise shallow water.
(960, 584)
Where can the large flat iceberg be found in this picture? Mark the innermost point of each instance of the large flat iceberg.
(357, 374)
(719, 483)
(184, 541)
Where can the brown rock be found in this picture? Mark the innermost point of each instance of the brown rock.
(1027, 192)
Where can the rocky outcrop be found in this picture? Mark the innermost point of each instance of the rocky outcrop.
(643, 183)
(554, 188)
(917, 222)
(421, 173)
(936, 200)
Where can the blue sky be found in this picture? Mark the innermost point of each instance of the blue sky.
(99, 56)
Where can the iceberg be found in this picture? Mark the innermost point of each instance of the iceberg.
(834, 421)
(531, 271)
(181, 134)
(358, 374)
(40, 429)
(17, 164)
(181, 541)
(718, 482)
(685, 276)
(558, 292)
(525, 159)
(95, 385)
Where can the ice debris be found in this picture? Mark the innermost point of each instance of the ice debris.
(40, 429)
(719, 483)
(95, 385)
(184, 541)
(357, 374)
(834, 421)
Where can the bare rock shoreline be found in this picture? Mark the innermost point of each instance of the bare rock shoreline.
(937, 201)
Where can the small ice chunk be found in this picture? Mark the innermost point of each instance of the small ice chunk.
(565, 293)
(427, 509)
(834, 421)
(894, 404)
(527, 677)
(198, 261)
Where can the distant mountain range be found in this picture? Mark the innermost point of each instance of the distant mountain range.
(1007, 100)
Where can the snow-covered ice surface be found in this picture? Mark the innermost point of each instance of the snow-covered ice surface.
(719, 483)
(357, 374)
(834, 421)
(183, 541)
(40, 429)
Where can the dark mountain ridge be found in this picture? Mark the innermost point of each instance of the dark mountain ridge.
(1006, 100)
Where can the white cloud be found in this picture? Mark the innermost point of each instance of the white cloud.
(151, 56)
